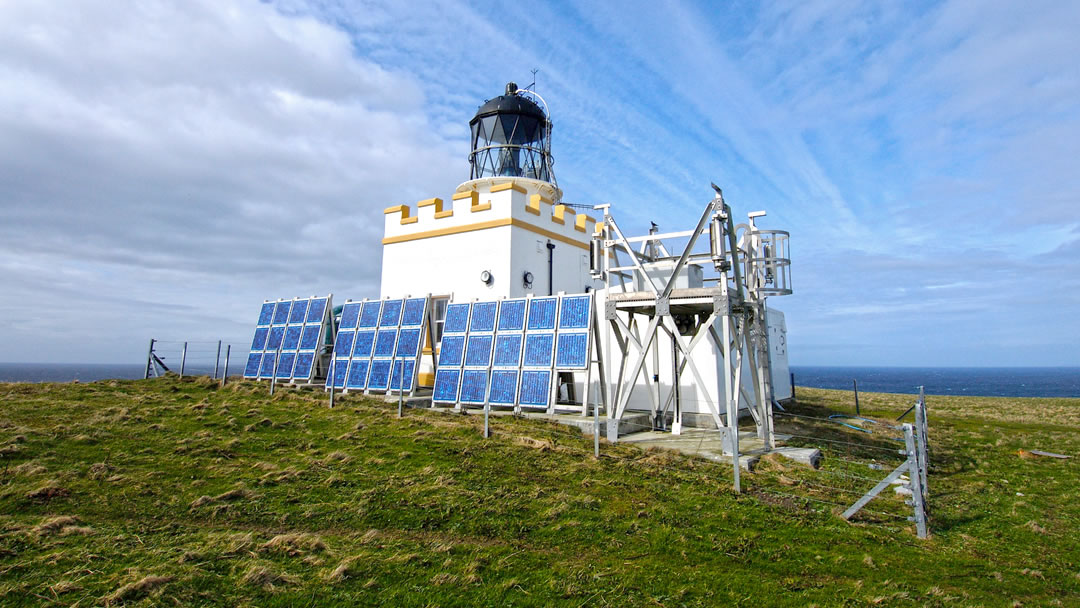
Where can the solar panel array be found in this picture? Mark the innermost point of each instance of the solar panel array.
(296, 327)
(507, 352)
(378, 346)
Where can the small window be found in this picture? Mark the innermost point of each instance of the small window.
(438, 306)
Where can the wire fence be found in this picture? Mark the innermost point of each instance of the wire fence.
(190, 358)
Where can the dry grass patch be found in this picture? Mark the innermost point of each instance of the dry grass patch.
(261, 576)
(51, 490)
(294, 544)
(544, 445)
(230, 496)
(138, 589)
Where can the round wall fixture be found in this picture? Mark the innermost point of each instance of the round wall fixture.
(486, 278)
(527, 279)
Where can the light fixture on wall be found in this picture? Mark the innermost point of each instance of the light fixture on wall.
(486, 277)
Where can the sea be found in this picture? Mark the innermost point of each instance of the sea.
(973, 381)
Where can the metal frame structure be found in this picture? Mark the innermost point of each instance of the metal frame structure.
(748, 269)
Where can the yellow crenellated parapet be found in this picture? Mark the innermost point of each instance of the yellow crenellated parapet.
(438, 204)
(404, 211)
(533, 206)
(558, 213)
(580, 222)
(508, 186)
(474, 200)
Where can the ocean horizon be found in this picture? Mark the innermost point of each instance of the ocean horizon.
(970, 381)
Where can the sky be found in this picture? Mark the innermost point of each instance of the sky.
(167, 166)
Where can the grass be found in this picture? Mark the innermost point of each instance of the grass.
(170, 492)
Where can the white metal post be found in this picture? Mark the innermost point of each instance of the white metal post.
(225, 372)
(149, 360)
(217, 358)
(183, 360)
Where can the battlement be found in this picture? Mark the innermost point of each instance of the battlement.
(491, 203)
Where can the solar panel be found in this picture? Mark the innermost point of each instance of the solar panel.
(339, 368)
(512, 315)
(384, 343)
(535, 388)
(572, 351)
(285, 365)
(391, 313)
(508, 350)
(344, 344)
(414, 312)
(274, 338)
(266, 314)
(304, 362)
(379, 378)
(574, 312)
(310, 339)
(457, 318)
(452, 352)
(542, 313)
(292, 337)
(483, 316)
(317, 310)
(538, 350)
(370, 315)
(281, 312)
(409, 366)
(299, 311)
(350, 313)
(473, 386)
(478, 353)
(446, 385)
(259, 342)
(363, 343)
(251, 370)
(266, 370)
(358, 373)
(503, 387)
(408, 343)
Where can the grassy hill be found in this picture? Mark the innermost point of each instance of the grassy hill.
(169, 492)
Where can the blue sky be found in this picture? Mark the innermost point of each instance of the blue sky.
(164, 167)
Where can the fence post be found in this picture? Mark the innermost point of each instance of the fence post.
(400, 388)
(855, 384)
(183, 361)
(921, 440)
(217, 358)
(915, 477)
(149, 359)
(225, 374)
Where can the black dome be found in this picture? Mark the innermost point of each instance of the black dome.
(510, 104)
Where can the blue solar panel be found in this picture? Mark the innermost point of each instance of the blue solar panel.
(391, 313)
(358, 372)
(266, 370)
(251, 370)
(473, 386)
(512, 315)
(303, 365)
(339, 368)
(379, 377)
(452, 352)
(281, 312)
(446, 385)
(508, 350)
(370, 315)
(299, 311)
(538, 348)
(259, 342)
(535, 388)
(384, 343)
(503, 386)
(542, 313)
(483, 316)
(285, 365)
(273, 340)
(316, 311)
(414, 312)
(478, 354)
(343, 344)
(365, 340)
(310, 339)
(409, 367)
(408, 343)
(266, 314)
(292, 337)
(457, 318)
(572, 351)
(350, 313)
(574, 312)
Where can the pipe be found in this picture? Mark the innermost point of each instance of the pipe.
(551, 268)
